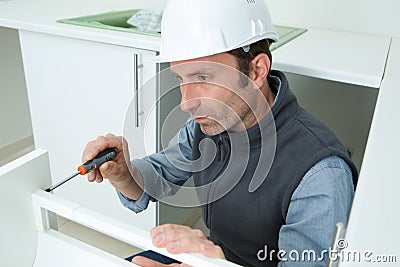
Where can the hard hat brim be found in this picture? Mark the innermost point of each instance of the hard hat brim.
(272, 36)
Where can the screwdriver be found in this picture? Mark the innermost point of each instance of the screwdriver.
(104, 156)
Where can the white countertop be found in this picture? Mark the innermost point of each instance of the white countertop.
(41, 16)
(347, 57)
(333, 55)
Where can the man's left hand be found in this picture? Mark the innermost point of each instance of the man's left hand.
(180, 239)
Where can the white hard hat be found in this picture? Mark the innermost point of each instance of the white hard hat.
(197, 28)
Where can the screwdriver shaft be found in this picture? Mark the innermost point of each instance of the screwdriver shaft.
(61, 182)
(104, 156)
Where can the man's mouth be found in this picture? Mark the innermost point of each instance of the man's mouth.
(200, 119)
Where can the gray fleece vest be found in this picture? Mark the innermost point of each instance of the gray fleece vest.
(243, 222)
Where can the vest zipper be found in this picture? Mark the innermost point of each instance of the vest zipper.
(219, 148)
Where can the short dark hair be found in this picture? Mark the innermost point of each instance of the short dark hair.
(244, 58)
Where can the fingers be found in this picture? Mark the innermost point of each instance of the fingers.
(102, 142)
(94, 175)
(196, 245)
(167, 233)
(173, 227)
(211, 250)
(180, 239)
(187, 244)
(183, 239)
(115, 169)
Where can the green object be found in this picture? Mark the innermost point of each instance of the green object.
(286, 34)
(349, 151)
(113, 20)
(117, 21)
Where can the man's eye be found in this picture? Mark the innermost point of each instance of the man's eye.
(203, 78)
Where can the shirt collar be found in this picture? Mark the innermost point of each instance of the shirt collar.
(275, 84)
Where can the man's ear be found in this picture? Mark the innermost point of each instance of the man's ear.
(260, 66)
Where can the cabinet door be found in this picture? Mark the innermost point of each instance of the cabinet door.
(77, 91)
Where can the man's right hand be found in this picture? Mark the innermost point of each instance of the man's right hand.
(117, 171)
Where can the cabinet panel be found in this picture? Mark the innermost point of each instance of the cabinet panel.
(345, 108)
(18, 180)
(78, 90)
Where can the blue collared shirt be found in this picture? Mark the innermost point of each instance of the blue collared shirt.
(322, 199)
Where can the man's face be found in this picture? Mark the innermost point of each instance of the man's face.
(213, 92)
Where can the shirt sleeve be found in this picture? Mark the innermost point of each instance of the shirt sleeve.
(164, 172)
(322, 199)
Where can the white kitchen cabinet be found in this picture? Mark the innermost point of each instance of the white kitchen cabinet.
(81, 89)
(27, 226)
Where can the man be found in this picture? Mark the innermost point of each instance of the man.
(270, 177)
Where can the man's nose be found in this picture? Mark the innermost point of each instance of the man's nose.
(189, 101)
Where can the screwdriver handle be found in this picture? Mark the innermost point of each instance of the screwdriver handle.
(104, 156)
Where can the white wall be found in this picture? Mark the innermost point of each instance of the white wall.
(346, 109)
(15, 122)
(368, 16)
